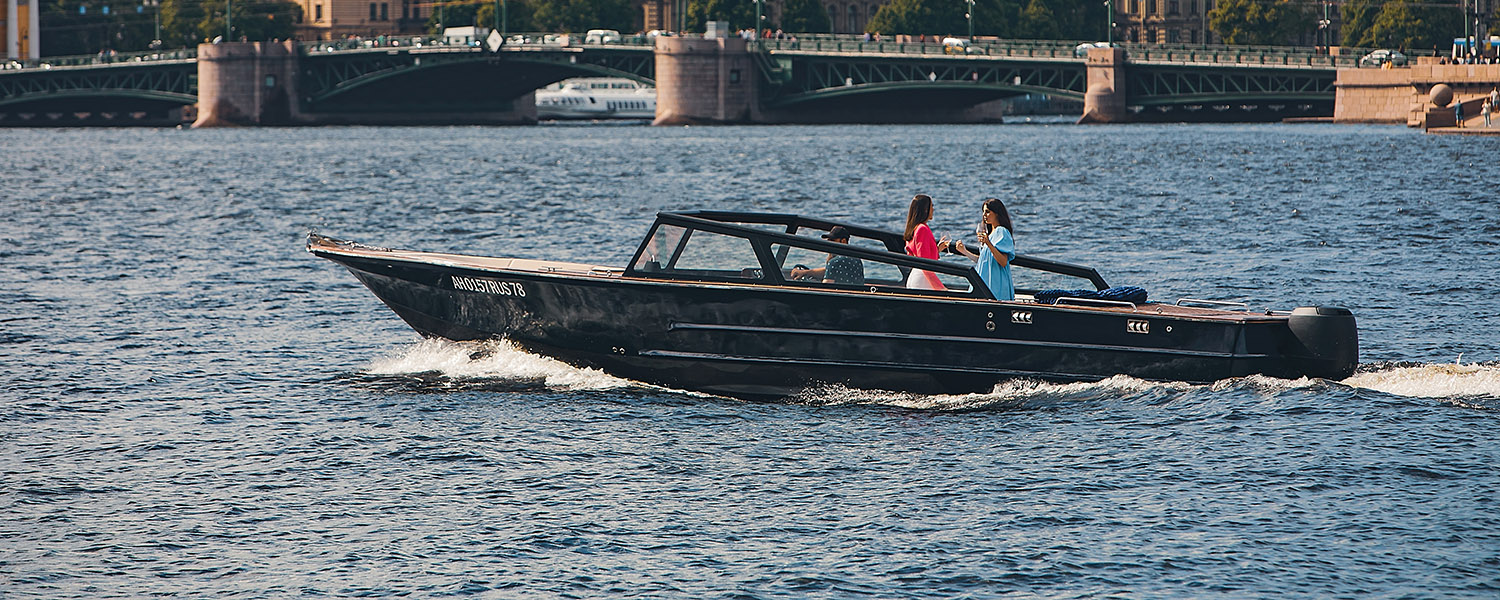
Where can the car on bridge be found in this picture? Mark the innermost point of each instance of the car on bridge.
(1381, 58)
(955, 45)
(1082, 50)
(601, 36)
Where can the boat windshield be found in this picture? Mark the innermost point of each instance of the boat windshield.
(680, 251)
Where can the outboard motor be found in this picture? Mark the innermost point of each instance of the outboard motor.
(1329, 341)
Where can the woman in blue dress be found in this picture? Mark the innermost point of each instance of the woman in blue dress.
(999, 249)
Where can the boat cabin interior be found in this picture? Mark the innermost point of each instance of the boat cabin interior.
(768, 248)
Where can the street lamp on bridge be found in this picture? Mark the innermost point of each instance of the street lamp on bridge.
(970, 16)
(502, 20)
(1109, 22)
(156, 20)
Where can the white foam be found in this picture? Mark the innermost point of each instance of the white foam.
(1012, 393)
(490, 360)
(1433, 381)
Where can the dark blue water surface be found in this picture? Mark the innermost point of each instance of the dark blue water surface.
(193, 406)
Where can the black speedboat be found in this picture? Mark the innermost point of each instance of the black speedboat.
(708, 303)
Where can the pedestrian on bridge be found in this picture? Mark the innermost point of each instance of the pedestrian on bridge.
(1458, 112)
(1486, 110)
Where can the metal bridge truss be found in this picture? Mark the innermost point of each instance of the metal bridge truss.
(166, 83)
(794, 78)
(326, 76)
(1161, 86)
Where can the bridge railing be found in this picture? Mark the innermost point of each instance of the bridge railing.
(1241, 55)
(855, 44)
(1072, 50)
(101, 58)
(519, 39)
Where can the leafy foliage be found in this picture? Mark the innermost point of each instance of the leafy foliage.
(452, 14)
(519, 15)
(1258, 21)
(1398, 24)
(576, 16)
(804, 16)
(1358, 17)
(1027, 19)
(565, 16)
(739, 13)
(1405, 24)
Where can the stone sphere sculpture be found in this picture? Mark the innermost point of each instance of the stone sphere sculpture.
(1441, 94)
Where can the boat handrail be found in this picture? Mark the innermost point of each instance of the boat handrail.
(892, 239)
(1241, 305)
(1132, 305)
(607, 271)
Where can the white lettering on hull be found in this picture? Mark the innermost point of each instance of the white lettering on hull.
(488, 286)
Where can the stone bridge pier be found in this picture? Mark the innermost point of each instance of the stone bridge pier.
(259, 84)
(1104, 100)
(719, 81)
(248, 83)
(705, 81)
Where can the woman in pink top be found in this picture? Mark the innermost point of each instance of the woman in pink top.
(921, 243)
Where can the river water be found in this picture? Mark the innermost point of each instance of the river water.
(192, 406)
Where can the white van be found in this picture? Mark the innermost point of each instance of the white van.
(601, 36)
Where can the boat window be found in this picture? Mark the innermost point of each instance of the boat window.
(873, 272)
(674, 250)
(660, 248)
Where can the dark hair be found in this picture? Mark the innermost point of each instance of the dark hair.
(994, 205)
(917, 214)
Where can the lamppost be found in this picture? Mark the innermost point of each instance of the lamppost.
(228, 19)
(757, 23)
(1468, 46)
(502, 20)
(1325, 27)
(156, 20)
(1109, 22)
(970, 16)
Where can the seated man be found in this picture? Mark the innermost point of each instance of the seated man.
(840, 268)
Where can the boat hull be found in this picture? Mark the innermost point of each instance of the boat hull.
(760, 342)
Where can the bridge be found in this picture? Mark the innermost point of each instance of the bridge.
(814, 79)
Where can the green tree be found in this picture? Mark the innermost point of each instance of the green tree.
(518, 15)
(576, 16)
(1403, 24)
(179, 23)
(1001, 18)
(253, 21)
(1258, 21)
(914, 17)
(452, 14)
(804, 16)
(1038, 22)
(1358, 18)
(739, 13)
(1079, 19)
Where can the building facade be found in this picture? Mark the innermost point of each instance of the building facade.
(847, 16)
(339, 19)
(20, 29)
(1164, 21)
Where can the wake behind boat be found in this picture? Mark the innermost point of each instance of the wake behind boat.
(708, 303)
